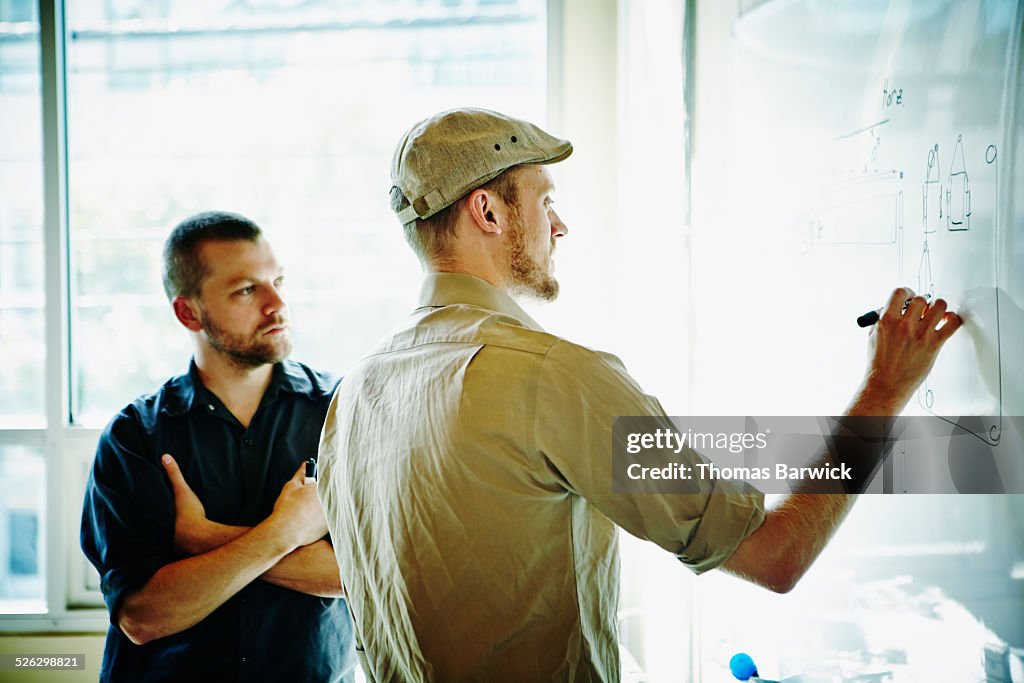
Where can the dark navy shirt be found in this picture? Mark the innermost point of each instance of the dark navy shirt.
(264, 632)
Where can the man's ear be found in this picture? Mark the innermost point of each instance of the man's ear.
(186, 311)
(488, 212)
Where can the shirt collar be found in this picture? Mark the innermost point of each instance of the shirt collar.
(181, 391)
(446, 289)
(288, 376)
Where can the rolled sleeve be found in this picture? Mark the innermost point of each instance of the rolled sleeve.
(127, 530)
(728, 517)
(579, 394)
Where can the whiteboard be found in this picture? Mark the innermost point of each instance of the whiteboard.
(869, 144)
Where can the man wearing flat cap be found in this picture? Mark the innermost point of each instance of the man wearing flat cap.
(466, 473)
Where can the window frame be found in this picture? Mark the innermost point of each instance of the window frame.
(61, 443)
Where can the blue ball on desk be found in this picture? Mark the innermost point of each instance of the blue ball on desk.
(742, 666)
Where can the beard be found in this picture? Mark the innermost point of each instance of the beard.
(527, 276)
(247, 351)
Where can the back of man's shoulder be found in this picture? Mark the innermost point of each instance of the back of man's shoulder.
(554, 350)
(507, 332)
(568, 353)
(569, 368)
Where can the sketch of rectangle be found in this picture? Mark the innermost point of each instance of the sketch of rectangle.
(931, 193)
(958, 200)
(873, 219)
(958, 192)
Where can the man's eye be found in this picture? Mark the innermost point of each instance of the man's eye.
(247, 290)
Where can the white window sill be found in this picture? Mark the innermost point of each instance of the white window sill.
(72, 621)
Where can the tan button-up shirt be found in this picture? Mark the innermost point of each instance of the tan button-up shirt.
(466, 478)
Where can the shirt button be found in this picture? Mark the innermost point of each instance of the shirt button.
(210, 406)
(248, 442)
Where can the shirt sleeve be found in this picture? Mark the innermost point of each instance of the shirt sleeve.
(580, 393)
(128, 514)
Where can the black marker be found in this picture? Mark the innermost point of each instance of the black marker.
(868, 319)
(311, 471)
(872, 317)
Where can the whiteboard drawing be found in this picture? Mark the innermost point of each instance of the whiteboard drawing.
(860, 219)
(865, 208)
(931, 215)
(899, 232)
(958, 191)
(981, 304)
(932, 192)
(925, 282)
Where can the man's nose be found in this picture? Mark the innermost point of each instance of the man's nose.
(274, 302)
(558, 228)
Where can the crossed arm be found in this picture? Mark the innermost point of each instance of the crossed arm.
(285, 549)
(310, 569)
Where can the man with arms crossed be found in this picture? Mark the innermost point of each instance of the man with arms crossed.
(466, 465)
(254, 595)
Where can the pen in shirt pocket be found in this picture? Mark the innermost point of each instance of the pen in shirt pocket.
(310, 471)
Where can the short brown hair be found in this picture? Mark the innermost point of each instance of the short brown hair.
(432, 238)
(184, 269)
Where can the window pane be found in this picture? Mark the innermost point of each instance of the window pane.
(22, 519)
(21, 218)
(284, 112)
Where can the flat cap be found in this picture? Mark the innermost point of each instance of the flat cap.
(446, 156)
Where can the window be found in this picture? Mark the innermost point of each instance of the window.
(21, 218)
(22, 475)
(22, 571)
(285, 112)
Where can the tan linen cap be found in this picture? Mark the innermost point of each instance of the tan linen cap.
(441, 159)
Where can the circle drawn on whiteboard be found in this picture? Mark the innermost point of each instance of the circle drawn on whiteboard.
(993, 434)
(929, 399)
(990, 154)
